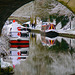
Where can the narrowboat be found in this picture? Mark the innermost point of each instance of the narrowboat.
(25, 26)
(17, 28)
(15, 34)
(49, 29)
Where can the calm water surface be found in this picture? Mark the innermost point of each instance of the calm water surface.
(44, 56)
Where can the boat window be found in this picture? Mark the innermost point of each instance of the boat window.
(24, 52)
(47, 41)
(47, 27)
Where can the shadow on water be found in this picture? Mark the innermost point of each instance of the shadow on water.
(52, 34)
(73, 74)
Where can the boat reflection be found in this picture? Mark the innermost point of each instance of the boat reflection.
(33, 35)
(19, 48)
(47, 41)
(19, 43)
(19, 53)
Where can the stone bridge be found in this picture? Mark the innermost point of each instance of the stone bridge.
(7, 7)
(70, 4)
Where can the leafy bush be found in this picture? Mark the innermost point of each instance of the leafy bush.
(6, 71)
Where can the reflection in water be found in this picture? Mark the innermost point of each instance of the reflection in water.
(19, 48)
(18, 55)
(56, 59)
(48, 41)
(43, 56)
(19, 43)
(19, 51)
(33, 35)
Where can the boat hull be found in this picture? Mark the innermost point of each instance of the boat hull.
(51, 34)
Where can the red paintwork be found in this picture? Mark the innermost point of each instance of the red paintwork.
(16, 46)
(19, 28)
(21, 41)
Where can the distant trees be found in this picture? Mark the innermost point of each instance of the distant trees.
(63, 19)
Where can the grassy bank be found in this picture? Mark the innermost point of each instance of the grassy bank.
(67, 35)
(35, 31)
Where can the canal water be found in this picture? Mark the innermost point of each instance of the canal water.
(35, 54)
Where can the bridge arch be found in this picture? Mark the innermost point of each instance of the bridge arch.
(7, 7)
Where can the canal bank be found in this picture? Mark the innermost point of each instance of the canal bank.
(67, 35)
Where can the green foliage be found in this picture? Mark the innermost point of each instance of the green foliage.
(44, 19)
(72, 17)
(59, 19)
(52, 17)
(64, 45)
(63, 19)
(48, 59)
(6, 71)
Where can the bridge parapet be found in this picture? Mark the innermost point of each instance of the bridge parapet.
(70, 4)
